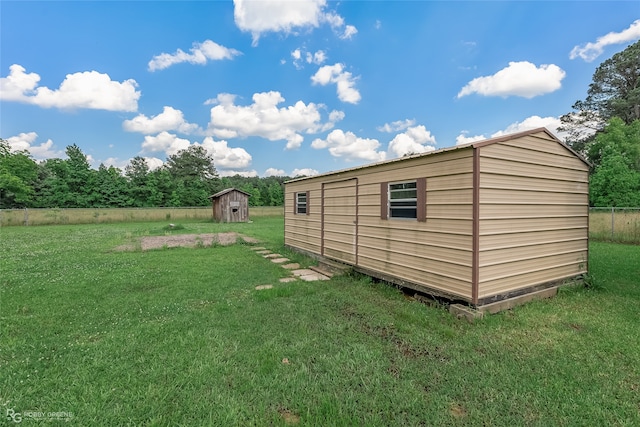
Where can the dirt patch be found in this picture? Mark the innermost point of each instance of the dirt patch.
(186, 241)
(289, 417)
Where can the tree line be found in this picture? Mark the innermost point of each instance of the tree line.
(604, 128)
(187, 178)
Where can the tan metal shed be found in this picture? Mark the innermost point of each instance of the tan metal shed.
(478, 223)
(230, 205)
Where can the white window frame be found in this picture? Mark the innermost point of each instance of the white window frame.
(404, 204)
(302, 205)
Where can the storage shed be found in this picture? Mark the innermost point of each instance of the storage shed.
(476, 223)
(230, 205)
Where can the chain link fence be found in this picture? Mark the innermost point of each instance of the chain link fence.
(11, 217)
(615, 224)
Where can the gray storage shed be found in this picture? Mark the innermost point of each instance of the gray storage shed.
(230, 205)
(479, 223)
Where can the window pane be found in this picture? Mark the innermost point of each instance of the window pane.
(403, 203)
(402, 186)
(403, 194)
(404, 213)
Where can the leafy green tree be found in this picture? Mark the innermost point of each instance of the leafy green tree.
(276, 194)
(140, 185)
(162, 186)
(194, 174)
(53, 189)
(18, 175)
(623, 138)
(614, 183)
(616, 179)
(80, 177)
(254, 198)
(614, 92)
(110, 190)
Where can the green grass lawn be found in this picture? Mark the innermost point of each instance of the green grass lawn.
(181, 337)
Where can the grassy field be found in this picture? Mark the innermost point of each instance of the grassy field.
(12, 217)
(622, 227)
(182, 337)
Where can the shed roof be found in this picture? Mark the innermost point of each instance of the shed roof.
(228, 190)
(476, 144)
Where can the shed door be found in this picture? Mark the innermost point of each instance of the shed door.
(339, 220)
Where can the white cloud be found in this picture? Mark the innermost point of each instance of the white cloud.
(115, 162)
(264, 119)
(304, 171)
(285, 16)
(464, 139)
(164, 142)
(301, 56)
(337, 24)
(396, 126)
(318, 57)
(153, 163)
(227, 160)
(518, 79)
(88, 89)
(349, 31)
(25, 141)
(336, 116)
(169, 119)
(350, 147)
(415, 140)
(532, 122)
(200, 53)
(345, 82)
(590, 51)
(274, 172)
(225, 157)
(246, 174)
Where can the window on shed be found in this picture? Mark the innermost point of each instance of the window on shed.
(301, 203)
(403, 200)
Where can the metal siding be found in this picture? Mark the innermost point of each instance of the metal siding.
(490, 180)
(453, 279)
(303, 231)
(507, 168)
(528, 279)
(497, 211)
(522, 154)
(513, 197)
(435, 253)
(339, 220)
(530, 238)
(533, 225)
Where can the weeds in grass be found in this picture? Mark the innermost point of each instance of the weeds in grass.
(182, 337)
(589, 282)
(173, 227)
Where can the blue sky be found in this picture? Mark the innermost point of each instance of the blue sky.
(293, 87)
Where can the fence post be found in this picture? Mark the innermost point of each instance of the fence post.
(612, 221)
(26, 216)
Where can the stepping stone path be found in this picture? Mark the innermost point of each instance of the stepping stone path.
(298, 273)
